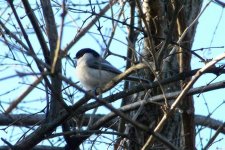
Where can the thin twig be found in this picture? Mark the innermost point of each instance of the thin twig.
(186, 31)
(59, 41)
(37, 29)
(12, 35)
(214, 137)
(84, 30)
(23, 95)
(122, 76)
(181, 96)
(150, 47)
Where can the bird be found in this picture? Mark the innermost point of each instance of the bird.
(93, 71)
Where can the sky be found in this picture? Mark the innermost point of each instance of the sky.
(210, 33)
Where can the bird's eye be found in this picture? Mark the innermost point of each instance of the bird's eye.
(78, 56)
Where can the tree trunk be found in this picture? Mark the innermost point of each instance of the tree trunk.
(165, 22)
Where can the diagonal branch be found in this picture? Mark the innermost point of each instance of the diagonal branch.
(39, 133)
(23, 95)
(209, 123)
(12, 35)
(181, 96)
(84, 30)
(37, 30)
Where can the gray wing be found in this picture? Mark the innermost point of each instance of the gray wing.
(103, 65)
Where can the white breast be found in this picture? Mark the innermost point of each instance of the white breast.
(92, 78)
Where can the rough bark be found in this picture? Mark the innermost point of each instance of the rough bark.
(166, 21)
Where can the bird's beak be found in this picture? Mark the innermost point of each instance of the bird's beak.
(75, 62)
(72, 61)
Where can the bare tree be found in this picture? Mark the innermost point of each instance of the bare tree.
(41, 103)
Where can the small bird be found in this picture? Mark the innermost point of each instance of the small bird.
(93, 71)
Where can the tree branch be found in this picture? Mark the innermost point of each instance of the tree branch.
(181, 96)
(37, 30)
(84, 30)
(209, 122)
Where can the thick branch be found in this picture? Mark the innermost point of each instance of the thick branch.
(31, 120)
(37, 148)
(38, 134)
(209, 122)
(181, 97)
(37, 30)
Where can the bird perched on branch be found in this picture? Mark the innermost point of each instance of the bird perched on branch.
(93, 71)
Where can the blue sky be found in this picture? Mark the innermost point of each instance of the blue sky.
(210, 33)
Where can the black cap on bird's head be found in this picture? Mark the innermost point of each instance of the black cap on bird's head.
(83, 51)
